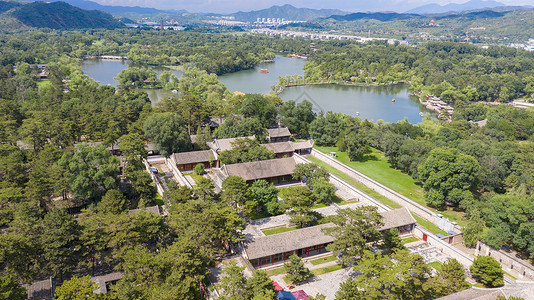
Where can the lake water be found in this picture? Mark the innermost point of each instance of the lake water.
(104, 71)
(371, 103)
(252, 81)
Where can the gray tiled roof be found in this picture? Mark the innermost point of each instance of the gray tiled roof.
(302, 145)
(219, 145)
(262, 169)
(283, 147)
(522, 290)
(279, 132)
(153, 209)
(287, 241)
(396, 218)
(193, 157)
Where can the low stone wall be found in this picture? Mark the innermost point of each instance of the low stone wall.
(454, 239)
(159, 187)
(180, 178)
(434, 240)
(507, 260)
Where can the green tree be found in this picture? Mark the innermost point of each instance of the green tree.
(259, 107)
(60, 242)
(20, 247)
(296, 271)
(324, 190)
(10, 289)
(404, 276)
(43, 175)
(199, 169)
(141, 189)
(136, 77)
(326, 129)
(447, 169)
(355, 229)
(452, 276)
(167, 132)
(208, 224)
(235, 193)
(266, 196)
(311, 172)
(297, 117)
(233, 283)
(261, 283)
(78, 288)
(357, 145)
(392, 240)
(472, 232)
(298, 202)
(204, 190)
(245, 150)
(133, 150)
(488, 271)
(92, 171)
(113, 202)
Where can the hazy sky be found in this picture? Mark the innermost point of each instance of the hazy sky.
(228, 6)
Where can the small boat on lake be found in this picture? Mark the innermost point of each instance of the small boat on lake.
(393, 100)
(264, 71)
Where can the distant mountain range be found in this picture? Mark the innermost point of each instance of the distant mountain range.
(434, 8)
(384, 17)
(115, 10)
(288, 12)
(58, 15)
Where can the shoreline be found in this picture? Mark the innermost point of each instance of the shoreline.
(343, 83)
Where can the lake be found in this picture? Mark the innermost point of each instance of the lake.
(252, 81)
(104, 71)
(367, 102)
(371, 103)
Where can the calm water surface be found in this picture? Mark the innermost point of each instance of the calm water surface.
(104, 71)
(371, 103)
(252, 81)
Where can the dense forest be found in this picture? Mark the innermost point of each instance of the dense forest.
(498, 25)
(66, 200)
(215, 53)
(455, 72)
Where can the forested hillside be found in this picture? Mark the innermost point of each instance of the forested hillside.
(453, 71)
(481, 26)
(60, 15)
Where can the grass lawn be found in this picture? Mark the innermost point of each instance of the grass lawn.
(376, 166)
(338, 200)
(429, 225)
(276, 271)
(278, 230)
(409, 240)
(195, 177)
(319, 205)
(323, 260)
(509, 275)
(159, 200)
(325, 270)
(436, 265)
(355, 183)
